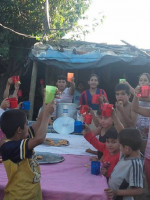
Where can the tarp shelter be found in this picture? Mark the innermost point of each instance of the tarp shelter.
(78, 56)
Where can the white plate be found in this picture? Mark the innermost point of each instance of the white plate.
(64, 125)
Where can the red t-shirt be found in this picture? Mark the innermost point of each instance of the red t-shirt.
(107, 157)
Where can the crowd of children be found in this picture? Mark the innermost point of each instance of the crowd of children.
(121, 136)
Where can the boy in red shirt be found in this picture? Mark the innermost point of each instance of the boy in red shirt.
(110, 149)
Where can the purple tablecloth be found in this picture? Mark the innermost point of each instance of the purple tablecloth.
(68, 180)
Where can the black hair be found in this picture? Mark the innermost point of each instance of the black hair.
(11, 120)
(93, 75)
(122, 86)
(61, 77)
(111, 133)
(130, 137)
(146, 74)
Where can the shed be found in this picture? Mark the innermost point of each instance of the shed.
(109, 62)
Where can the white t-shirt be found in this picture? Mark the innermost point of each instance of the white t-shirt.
(65, 97)
(127, 173)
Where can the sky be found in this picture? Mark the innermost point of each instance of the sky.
(127, 20)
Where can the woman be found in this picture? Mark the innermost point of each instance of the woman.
(86, 96)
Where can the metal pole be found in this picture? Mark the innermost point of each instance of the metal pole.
(32, 89)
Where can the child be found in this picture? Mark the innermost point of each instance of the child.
(105, 123)
(110, 149)
(66, 94)
(145, 112)
(18, 156)
(79, 89)
(86, 96)
(123, 106)
(126, 179)
(142, 122)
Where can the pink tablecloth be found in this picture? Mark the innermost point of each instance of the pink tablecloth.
(68, 180)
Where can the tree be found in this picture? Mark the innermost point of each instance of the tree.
(29, 17)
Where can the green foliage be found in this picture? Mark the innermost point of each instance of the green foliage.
(29, 17)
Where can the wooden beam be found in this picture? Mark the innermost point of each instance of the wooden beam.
(32, 89)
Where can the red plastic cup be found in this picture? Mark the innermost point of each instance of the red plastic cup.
(15, 79)
(88, 118)
(13, 102)
(19, 93)
(145, 91)
(84, 109)
(107, 109)
(95, 99)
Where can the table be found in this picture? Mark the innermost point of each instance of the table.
(68, 180)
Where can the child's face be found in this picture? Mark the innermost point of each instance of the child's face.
(105, 122)
(143, 80)
(126, 150)
(61, 84)
(112, 145)
(93, 82)
(122, 96)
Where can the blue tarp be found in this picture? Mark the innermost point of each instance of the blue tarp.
(68, 59)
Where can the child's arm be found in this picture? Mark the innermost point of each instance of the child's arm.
(15, 93)
(131, 88)
(90, 137)
(138, 109)
(6, 92)
(117, 123)
(42, 130)
(128, 192)
(95, 118)
(72, 87)
(5, 104)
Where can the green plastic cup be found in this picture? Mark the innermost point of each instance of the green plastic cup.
(121, 80)
(50, 93)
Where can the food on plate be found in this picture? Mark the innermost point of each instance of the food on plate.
(56, 143)
(50, 141)
(39, 157)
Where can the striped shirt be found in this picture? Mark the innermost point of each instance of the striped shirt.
(127, 173)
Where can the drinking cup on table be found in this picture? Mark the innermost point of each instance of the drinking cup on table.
(70, 76)
(78, 126)
(84, 109)
(88, 118)
(25, 105)
(107, 109)
(95, 99)
(50, 93)
(13, 102)
(145, 91)
(95, 167)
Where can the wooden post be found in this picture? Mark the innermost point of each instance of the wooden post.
(32, 89)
